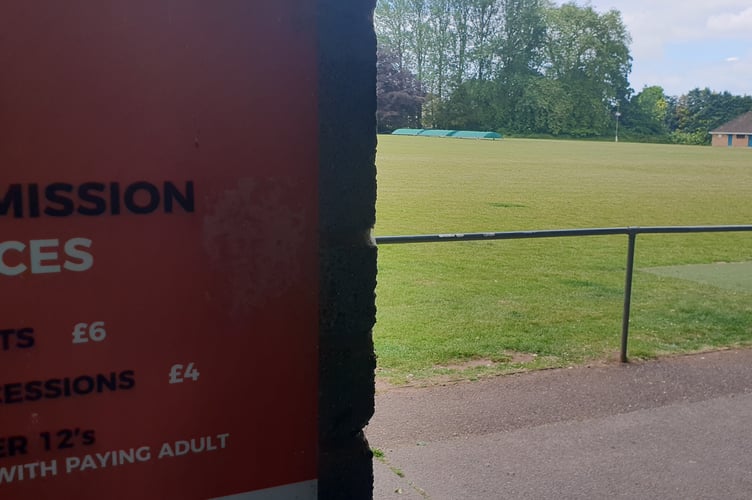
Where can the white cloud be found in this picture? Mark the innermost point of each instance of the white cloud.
(730, 23)
(734, 76)
(683, 44)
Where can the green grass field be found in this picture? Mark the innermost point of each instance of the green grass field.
(465, 310)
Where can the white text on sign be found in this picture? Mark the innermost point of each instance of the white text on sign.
(178, 375)
(83, 332)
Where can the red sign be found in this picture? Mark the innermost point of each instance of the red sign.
(158, 249)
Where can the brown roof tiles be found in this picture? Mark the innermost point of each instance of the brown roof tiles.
(739, 125)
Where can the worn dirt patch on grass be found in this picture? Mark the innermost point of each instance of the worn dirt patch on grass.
(510, 357)
(521, 357)
(468, 365)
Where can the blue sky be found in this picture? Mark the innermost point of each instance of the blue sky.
(683, 44)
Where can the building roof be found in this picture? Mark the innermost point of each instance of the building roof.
(739, 125)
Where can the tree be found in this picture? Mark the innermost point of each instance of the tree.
(437, 77)
(399, 97)
(645, 115)
(588, 53)
(461, 26)
(471, 107)
(512, 65)
(523, 35)
(693, 115)
(392, 30)
(419, 42)
(483, 23)
(521, 42)
(543, 106)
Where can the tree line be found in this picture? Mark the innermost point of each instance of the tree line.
(526, 67)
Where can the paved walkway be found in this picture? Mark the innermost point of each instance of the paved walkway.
(678, 428)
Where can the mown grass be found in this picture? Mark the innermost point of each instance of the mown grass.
(558, 301)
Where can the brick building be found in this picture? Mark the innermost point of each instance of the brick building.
(735, 134)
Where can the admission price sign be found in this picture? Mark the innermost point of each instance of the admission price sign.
(158, 249)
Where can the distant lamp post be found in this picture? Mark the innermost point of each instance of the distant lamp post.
(616, 137)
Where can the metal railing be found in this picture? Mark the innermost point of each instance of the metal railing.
(631, 232)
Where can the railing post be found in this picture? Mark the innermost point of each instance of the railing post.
(627, 294)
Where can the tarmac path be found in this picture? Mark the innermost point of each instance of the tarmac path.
(675, 428)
